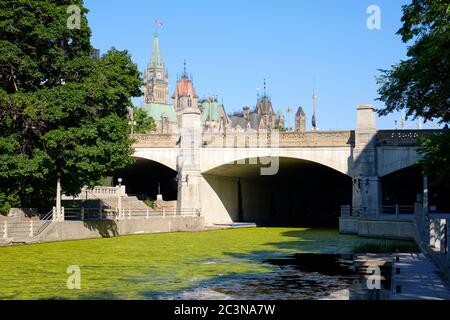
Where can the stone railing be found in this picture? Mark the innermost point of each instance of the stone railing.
(403, 137)
(155, 140)
(284, 139)
(101, 192)
(252, 139)
(279, 139)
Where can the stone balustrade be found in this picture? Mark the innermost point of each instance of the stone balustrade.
(155, 140)
(252, 139)
(404, 138)
(284, 139)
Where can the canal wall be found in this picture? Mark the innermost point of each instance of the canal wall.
(77, 230)
(376, 228)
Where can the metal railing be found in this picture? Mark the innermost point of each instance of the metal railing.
(397, 210)
(382, 212)
(86, 214)
(48, 219)
(147, 214)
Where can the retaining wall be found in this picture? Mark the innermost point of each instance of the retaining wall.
(375, 228)
(77, 230)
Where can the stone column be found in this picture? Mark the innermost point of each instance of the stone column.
(366, 183)
(188, 162)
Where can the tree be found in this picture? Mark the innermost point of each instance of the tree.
(144, 123)
(420, 85)
(62, 111)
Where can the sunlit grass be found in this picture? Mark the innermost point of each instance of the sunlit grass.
(134, 267)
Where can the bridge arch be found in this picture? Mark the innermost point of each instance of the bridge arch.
(164, 156)
(392, 159)
(403, 186)
(336, 158)
(302, 193)
(145, 178)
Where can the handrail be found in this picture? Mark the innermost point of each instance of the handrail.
(48, 219)
(147, 213)
(382, 211)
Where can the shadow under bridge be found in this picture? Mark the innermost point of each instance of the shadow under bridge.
(302, 193)
(144, 177)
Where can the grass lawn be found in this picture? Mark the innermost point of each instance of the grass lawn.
(141, 266)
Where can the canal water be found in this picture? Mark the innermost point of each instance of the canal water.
(295, 277)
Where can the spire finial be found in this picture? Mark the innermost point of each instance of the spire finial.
(184, 68)
(157, 60)
(265, 87)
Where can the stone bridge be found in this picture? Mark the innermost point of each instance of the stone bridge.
(239, 176)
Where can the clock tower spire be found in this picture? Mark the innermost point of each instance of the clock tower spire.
(156, 77)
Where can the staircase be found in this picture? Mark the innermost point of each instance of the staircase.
(128, 203)
(23, 230)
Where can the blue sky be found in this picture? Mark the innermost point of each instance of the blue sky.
(232, 45)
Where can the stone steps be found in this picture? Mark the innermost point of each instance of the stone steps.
(132, 203)
(19, 231)
(128, 202)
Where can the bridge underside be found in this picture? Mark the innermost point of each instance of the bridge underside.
(303, 193)
(403, 186)
(144, 177)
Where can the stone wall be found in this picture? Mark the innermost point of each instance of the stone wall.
(77, 230)
(373, 228)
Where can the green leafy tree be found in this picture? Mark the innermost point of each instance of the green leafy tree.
(420, 85)
(62, 111)
(144, 123)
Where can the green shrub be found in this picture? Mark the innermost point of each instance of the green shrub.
(150, 203)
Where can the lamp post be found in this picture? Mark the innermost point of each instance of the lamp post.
(58, 196)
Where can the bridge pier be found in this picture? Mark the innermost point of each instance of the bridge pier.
(366, 183)
(188, 161)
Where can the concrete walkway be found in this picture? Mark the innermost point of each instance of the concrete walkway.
(419, 279)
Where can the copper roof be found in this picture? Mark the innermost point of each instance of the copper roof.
(185, 88)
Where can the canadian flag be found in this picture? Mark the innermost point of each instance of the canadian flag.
(159, 23)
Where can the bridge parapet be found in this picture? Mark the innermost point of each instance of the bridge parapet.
(406, 138)
(279, 139)
(253, 139)
(403, 138)
(155, 140)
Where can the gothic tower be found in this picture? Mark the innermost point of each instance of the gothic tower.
(300, 120)
(156, 77)
(185, 102)
(185, 95)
